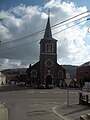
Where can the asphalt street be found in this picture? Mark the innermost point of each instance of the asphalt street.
(36, 104)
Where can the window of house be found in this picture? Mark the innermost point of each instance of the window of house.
(60, 74)
(34, 74)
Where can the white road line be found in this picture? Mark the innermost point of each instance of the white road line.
(43, 92)
(58, 92)
(74, 92)
(30, 91)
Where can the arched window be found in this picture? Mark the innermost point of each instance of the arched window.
(60, 74)
(49, 47)
(46, 47)
(34, 74)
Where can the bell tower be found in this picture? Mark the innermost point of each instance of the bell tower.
(48, 56)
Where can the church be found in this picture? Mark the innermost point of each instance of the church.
(47, 71)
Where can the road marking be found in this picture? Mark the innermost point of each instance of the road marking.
(58, 92)
(73, 92)
(30, 91)
(43, 92)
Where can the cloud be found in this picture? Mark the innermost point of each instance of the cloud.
(72, 47)
(13, 63)
(24, 20)
(8, 64)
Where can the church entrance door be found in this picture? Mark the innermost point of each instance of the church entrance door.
(48, 80)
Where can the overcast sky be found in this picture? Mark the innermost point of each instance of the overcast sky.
(24, 17)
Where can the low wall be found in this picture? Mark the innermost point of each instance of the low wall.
(84, 98)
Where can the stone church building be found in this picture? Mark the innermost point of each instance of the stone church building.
(47, 70)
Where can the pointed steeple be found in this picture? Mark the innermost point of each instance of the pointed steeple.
(48, 33)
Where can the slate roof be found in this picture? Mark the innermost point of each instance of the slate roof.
(86, 64)
(48, 33)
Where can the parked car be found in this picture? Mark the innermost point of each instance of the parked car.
(20, 83)
(42, 86)
(50, 86)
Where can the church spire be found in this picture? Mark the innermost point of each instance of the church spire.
(48, 33)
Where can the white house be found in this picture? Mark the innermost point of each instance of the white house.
(2, 78)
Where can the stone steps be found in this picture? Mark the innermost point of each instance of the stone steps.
(85, 117)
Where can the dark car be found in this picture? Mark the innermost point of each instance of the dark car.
(50, 86)
(20, 83)
(42, 86)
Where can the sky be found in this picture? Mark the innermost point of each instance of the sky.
(22, 18)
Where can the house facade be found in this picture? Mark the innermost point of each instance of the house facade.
(47, 70)
(2, 78)
(83, 73)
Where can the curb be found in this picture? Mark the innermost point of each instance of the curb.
(54, 110)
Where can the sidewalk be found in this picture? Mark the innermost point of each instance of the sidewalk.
(73, 112)
(3, 112)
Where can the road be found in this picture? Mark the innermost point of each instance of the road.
(36, 104)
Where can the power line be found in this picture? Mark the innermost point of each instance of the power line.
(70, 18)
(70, 26)
(53, 34)
(37, 33)
(71, 21)
(41, 31)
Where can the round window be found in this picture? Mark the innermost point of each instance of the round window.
(49, 63)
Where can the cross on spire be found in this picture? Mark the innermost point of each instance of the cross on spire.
(48, 12)
(48, 33)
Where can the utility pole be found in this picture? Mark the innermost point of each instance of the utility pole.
(0, 20)
(88, 29)
(68, 81)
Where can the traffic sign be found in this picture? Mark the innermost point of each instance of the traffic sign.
(68, 81)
